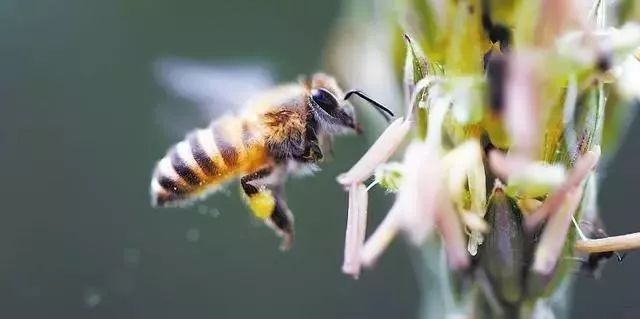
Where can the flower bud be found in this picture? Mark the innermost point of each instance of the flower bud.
(502, 256)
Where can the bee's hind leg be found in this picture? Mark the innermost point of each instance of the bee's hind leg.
(281, 221)
(264, 193)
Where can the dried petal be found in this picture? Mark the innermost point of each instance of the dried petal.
(474, 222)
(416, 67)
(356, 227)
(476, 239)
(378, 153)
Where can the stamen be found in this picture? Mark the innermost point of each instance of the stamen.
(611, 243)
(356, 227)
(378, 153)
(381, 238)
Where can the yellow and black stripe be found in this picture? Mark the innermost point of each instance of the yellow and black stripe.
(207, 157)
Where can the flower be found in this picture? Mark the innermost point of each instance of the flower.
(516, 94)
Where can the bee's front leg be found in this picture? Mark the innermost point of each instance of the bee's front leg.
(312, 151)
(264, 194)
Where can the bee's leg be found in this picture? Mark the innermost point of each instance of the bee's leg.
(264, 194)
(313, 143)
(281, 221)
(312, 151)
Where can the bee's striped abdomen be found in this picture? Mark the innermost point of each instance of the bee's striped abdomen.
(201, 157)
(223, 138)
(206, 158)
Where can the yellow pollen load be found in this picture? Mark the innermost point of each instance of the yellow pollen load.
(262, 204)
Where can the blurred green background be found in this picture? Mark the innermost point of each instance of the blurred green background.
(78, 140)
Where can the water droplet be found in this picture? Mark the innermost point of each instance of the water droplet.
(92, 297)
(193, 235)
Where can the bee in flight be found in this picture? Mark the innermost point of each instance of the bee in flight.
(284, 130)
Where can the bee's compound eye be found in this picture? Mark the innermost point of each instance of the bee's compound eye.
(325, 100)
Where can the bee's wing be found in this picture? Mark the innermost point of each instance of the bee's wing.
(213, 88)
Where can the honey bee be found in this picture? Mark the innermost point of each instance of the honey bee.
(285, 130)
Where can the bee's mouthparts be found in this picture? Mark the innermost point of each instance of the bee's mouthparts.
(383, 110)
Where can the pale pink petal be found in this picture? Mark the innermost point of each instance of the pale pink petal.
(362, 217)
(453, 237)
(356, 227)
(378, 153)
(504, 165)
(500, 164)
(419, 191)
(555, 234)
(578, 174)
(583, 167)
(521, 101)
(557, 17)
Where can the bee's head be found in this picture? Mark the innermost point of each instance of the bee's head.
(331, 109)
(333, 114)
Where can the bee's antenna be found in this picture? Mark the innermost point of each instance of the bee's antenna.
(381, 108)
